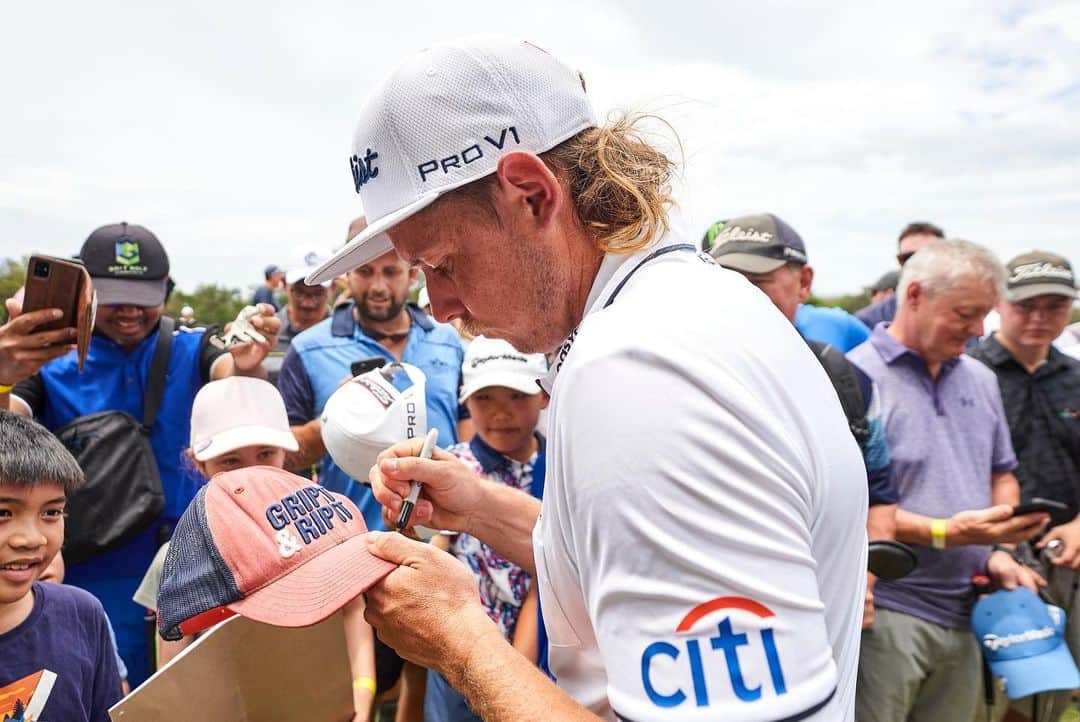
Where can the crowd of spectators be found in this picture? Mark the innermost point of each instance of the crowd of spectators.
(956, 428)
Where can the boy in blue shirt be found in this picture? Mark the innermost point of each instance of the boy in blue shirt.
(57, 661)
(504, 401)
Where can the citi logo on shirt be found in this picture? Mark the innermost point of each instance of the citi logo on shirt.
(672, 670)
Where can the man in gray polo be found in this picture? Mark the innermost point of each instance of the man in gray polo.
(953, 463)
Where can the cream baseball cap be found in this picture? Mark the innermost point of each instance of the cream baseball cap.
(235, 412)
(494, 362)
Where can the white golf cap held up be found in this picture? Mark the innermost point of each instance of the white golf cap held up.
(494, 362)
(368, 414)
(235, 412)
(443, 119)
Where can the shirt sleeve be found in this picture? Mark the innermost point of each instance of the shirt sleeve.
(107, 690)
(31, 392)
(208, 354)
(691, 542)
(877, 455)
(857, 331)
(295, 388)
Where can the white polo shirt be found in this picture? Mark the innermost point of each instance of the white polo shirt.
(701, 550)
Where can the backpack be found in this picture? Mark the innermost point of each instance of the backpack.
(122, 495)
(842, 376)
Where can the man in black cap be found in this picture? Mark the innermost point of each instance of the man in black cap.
(884, 287)
(1040, 388)
(130, 272)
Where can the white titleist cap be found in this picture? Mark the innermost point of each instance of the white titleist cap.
(443, 119)
(494, 362)
(235, 412)
(368, 414)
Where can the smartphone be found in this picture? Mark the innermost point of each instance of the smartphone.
(366, 364)
(1059, 513)
(66, 285)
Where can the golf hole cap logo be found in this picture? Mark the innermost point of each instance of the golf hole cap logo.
(268, 545)
(721, 648)
(128, 265)
(442, 119)
(374, 410)
(1023, 639)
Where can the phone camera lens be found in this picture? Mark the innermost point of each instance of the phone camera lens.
(41, 269)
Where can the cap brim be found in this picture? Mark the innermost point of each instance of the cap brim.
(241, 436)
(370, 243)
(315, 590)
(749, 263)
(125, 292)
(517, 382)
(1021, 293)
(1024, 677)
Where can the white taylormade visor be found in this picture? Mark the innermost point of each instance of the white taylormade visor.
(443, 119)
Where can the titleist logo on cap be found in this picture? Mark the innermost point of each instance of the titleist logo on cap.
(738, 233)
(1040, 271)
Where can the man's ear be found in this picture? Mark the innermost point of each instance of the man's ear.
(914, 294)
(806, 282)
(527, 187)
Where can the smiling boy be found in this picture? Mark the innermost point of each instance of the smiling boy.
(56, 658)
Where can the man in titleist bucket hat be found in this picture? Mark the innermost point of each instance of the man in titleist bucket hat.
(679, 461)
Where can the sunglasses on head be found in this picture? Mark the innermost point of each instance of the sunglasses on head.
(903, 257)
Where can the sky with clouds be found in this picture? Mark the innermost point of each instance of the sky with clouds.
(225, 127)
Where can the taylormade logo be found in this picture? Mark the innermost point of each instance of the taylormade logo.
(496, 357)
(994, 642)
(1040, 271)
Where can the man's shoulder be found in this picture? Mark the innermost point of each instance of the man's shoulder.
(315, 336)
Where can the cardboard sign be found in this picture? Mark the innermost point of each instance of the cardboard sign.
(243, 670)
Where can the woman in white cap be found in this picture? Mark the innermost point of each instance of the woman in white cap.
(239, 422)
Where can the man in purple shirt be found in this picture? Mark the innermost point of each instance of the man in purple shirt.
(914, 236)
(952, 463)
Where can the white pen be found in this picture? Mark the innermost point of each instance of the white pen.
(414, 486)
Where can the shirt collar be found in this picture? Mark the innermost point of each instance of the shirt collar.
(892, 350)
(998, 355)
(344, 323)
(492, 460)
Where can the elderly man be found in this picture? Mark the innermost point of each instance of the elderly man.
(1041, 389)
(130, 271)
(701, 551)
(953, 465)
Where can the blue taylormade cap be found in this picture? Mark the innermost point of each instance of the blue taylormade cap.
(1023, 639)
(754, 244)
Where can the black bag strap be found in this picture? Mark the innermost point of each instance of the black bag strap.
(842, 376)
(155, 379)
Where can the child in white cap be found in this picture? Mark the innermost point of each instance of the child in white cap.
(500, 390)
(239, 422)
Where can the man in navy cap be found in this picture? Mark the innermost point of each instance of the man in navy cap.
(130, 272)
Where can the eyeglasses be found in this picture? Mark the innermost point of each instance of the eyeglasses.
(903, 257)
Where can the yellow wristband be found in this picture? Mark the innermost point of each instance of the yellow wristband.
(5, 389)
(364, 683)
(937, 532)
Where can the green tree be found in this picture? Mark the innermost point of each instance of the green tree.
(12, 277)
(213, 304)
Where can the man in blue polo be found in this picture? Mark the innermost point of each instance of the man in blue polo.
(376, 323)
(130, 271)
(952, 461)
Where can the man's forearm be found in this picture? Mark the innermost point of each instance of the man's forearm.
(309, 439)
(482, 677)
(881, 522)
(1005, 489)
(913, 528)
(505, 521)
